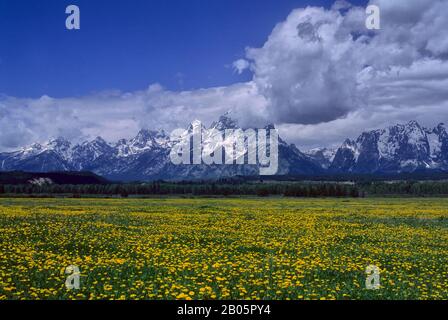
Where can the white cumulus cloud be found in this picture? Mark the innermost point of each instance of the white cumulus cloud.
(320, 76)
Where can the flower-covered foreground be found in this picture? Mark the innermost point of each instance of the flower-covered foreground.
(223, 248)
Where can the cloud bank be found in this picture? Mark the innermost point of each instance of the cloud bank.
(321, 77)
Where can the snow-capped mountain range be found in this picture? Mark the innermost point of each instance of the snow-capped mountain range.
(323, 156)
(400, 148)
(144, 157)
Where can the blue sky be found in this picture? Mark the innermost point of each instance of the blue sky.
(127, 45)
(310, 67)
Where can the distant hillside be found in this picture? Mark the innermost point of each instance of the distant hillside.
(77, 178)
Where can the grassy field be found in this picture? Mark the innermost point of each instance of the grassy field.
(224, 248)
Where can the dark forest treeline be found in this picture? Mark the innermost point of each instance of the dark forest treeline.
(234, 188)
(185, 188)
(410, 188)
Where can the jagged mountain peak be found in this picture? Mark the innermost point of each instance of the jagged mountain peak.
(145, 156)
(99, 139)
(59, 146)
(195, 124)
(84, 154)
(414, 129)
(34, 145)
(225, 122)
(397, 148)
(348, 143)
(58, 142)
(413, 123)
(324, 156)
(439, 129)
(96, 143)
(142, 137)
(145, 141)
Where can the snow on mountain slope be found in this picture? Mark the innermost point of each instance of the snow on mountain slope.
(400, 148)
(324, 156)
(146, 156)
